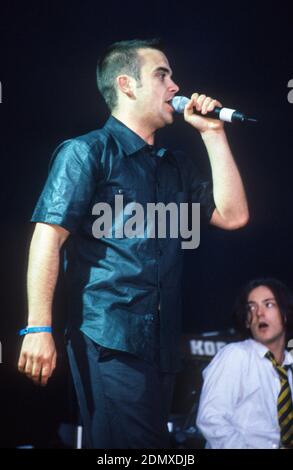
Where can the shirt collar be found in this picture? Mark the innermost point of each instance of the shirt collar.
(128, 139)
(288, 359)
(261, 350)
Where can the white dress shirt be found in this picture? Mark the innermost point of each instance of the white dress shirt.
(238, 403)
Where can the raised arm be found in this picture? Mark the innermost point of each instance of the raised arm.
(231, 206)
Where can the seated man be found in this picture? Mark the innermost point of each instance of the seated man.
(246, 400)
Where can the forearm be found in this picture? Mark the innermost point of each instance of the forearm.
(229, 194)
(221, 435)
(37, 357)
(43, 268)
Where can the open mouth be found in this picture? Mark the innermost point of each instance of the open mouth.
(169, 103)
(263, 326)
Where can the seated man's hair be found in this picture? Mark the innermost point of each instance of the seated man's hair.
(282, 294)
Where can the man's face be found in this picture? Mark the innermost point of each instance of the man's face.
(155, 89)
(264, 317)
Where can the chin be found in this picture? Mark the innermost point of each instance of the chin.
(269, 339)
(166, 119)
(169, 120)
(162, 123)
(262, 338)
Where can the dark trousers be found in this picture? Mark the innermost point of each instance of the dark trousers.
(124, 401)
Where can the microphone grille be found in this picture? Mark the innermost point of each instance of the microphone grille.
(179, 103)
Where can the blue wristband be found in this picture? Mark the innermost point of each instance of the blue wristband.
(35, 329)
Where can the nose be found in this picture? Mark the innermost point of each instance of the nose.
(173, 87)
(260, 311)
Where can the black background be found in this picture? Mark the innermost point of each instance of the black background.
(240, 53)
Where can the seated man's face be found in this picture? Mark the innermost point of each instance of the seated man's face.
(264, 317)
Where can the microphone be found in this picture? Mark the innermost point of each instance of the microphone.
(224, 114)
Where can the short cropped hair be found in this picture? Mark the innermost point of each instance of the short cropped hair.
(121, 58)
(282, 294)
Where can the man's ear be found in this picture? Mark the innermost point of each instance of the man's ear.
(125, 84)
(247, 323)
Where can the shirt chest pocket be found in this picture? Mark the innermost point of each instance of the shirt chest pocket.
(115, 195)
(113, 207)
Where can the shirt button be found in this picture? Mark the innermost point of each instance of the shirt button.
(159, 252)
(120, 191)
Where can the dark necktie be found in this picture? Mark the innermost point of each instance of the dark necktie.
(284, 403)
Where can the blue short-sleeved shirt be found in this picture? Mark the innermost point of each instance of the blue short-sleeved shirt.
(116, 284)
